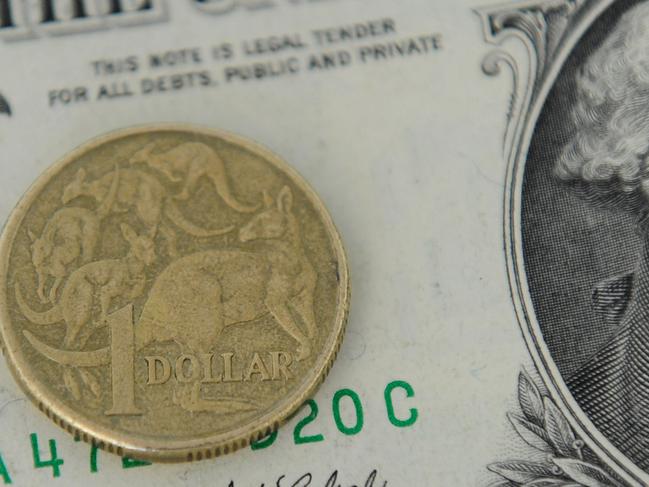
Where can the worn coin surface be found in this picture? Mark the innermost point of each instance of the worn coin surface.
(170, 292)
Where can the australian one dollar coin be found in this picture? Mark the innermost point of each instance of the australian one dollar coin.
(171, 293)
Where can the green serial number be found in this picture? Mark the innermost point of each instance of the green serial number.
(343, 400)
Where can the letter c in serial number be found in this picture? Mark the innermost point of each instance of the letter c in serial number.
(389, 404)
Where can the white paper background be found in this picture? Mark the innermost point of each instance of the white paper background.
(407, 156)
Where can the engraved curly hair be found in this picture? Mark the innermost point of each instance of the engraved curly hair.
(607, 160)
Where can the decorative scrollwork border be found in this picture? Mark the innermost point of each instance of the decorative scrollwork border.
(540, 26)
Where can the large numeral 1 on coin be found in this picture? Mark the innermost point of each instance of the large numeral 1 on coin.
(122, 353)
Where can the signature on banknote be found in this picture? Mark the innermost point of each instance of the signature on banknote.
(309, 480)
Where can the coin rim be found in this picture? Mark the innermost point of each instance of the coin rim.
(167, 450)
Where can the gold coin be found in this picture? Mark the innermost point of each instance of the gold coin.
(171, 293)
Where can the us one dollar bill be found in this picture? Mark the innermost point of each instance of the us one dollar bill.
(486, 167)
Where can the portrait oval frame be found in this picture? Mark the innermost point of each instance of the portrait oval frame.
(544, 74)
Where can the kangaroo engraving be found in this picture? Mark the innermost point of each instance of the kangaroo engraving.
(146, 196)
(196, 296)
(101, 281)
(96, 282)
(69, 237)
(210, 290)
(187, 163)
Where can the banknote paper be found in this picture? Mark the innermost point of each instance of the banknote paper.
(485, 165)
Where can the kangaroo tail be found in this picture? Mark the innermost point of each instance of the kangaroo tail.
(49, 317)
(220, 181)
(68, 357)
(172, 212)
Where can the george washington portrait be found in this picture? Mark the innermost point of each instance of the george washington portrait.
(585, 226)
